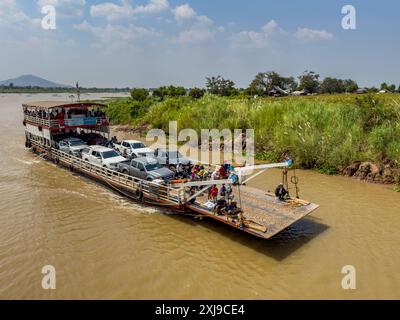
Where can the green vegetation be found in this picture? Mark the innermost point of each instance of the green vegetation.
(196, 93)
(220, 86)
(309, 82)
(127, 111)
(333, 85)
(325, 133)
(170, 91)
(264, 82)
(139, 94)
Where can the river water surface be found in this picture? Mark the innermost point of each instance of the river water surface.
(104, 246)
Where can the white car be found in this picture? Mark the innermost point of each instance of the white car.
(72, 145)
(133, 148)
(102, 156)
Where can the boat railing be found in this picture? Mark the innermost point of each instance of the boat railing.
(69, 122)
(133, 184)
(41, 121)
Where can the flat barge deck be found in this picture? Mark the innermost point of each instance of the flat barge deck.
(263, 215)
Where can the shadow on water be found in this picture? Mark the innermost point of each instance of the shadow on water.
(278, 247)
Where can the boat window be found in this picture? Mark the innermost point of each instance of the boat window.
(86, 150)
(109, 154)
(125, 144)
(140, 166)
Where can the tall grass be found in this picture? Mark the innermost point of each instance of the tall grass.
(322, 132)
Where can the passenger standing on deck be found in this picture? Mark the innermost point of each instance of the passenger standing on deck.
(226, 166)
(215, 175)
(234, 177)
(213, 194)
(195, 171)
(222, 172)
(281, 192)
(201, 172)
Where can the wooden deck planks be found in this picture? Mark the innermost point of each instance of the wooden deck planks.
(265, 210)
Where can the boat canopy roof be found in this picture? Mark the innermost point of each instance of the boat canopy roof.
(49, 105)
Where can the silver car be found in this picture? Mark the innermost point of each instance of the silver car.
(72, 146)
(145, 168)
(170, 158)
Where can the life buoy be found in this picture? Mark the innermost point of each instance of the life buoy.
(179, 181)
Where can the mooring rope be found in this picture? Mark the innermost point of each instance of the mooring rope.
(295, 180)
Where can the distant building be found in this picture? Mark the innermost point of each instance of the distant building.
(299, 93)
(361, 91)
(277, 92)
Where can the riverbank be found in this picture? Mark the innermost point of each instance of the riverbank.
(352, 135)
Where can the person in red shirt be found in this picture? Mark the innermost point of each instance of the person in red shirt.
(213, 194)
(60, 117)
(222, 172)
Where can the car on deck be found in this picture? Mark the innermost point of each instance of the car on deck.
(133, 148)
(102, 156)
(170, 158)
(72, 146)
(146, 168)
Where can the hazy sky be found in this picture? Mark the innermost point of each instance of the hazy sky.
(155, 42)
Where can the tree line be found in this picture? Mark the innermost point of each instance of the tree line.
(264, 84)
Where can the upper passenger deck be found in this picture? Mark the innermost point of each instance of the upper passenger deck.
(56, 115)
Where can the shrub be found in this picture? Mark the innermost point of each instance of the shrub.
(139, 94)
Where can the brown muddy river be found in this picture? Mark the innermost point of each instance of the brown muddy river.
(104, 246)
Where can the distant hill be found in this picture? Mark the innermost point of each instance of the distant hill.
(31, 80)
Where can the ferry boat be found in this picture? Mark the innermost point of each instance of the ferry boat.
(258, 213)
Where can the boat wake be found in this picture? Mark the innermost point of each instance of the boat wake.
(28, 162)
(132, 206)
